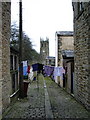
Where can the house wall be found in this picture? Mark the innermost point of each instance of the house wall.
(14, 74)
(82, 54)
(69, 77)
(56, 50)
(67, 43)
(5, 21)
(64, 43)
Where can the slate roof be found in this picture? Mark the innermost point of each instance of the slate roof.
(68, 53)
(62, 33)
(50, 57)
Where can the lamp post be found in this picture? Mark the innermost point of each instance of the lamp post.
(21, 91)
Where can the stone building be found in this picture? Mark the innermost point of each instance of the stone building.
(44, 49)
(50, 60)
(5, 85)
(64, 52)
(82, 52)
(14, 73)
(64, 41)
(68, 64)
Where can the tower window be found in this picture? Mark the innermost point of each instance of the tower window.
(41, 45)
(80, 6)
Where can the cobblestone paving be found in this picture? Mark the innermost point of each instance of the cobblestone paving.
(31, 107)
(62, 104)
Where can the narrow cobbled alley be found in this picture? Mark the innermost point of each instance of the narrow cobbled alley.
(46, 100)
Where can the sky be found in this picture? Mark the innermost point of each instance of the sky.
(42, 18)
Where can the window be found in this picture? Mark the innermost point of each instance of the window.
(15, 62)
(11, 62)
(14, 72)
(14, 77)
(45, 44)
(13, 83)
(16, 81)
(81, 6)
(49, 62)
(42, 45)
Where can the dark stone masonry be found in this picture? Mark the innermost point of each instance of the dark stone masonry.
(82, 52)
(5, 22)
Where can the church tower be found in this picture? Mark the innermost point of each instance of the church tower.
(44, 49)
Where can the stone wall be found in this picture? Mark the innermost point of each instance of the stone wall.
(64, 43)
(67, 43)
(82, 54)
(5, 21)
(0, 62)
(44, 49)
(50, 61)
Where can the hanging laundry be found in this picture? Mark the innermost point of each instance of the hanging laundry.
(25, 66)
(31, 74)
(35, 67)
(28, 69)
(58, 71)
(48, 70)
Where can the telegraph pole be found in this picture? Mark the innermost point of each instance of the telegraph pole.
(21, 87)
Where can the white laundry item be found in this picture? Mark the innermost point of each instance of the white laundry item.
(58, 71)
(30, 75)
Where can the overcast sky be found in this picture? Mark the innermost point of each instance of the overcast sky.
(42, 18)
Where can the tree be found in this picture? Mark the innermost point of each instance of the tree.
(14, 41)
(28, 53)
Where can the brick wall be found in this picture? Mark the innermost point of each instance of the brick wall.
(5, 21)
(82, 55)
